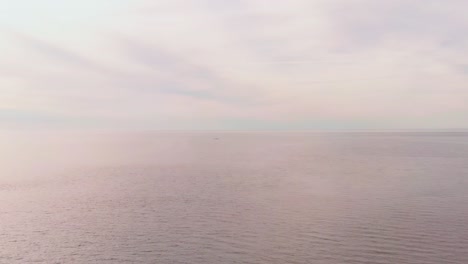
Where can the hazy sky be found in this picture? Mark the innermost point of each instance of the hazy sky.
(233, 64)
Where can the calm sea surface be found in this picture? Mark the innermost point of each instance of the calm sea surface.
(199, 197)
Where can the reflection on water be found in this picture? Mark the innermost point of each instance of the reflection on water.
(235, 198)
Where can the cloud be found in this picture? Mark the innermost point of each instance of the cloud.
(363, 23)
(206, 64)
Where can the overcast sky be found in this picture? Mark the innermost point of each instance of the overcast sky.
(234, 64)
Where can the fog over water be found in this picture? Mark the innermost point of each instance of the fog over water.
(234, 197)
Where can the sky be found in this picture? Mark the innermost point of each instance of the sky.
(233, 64)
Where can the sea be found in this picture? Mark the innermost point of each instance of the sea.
(200, 197)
